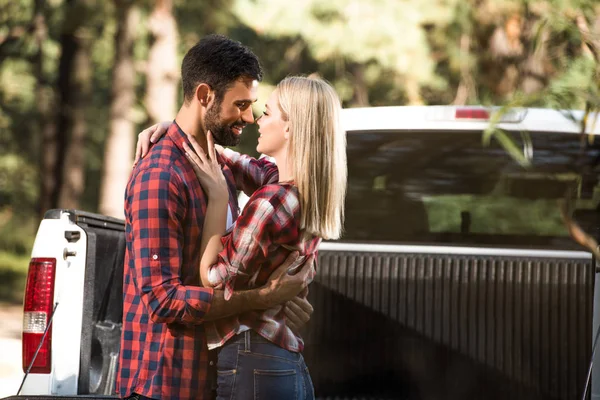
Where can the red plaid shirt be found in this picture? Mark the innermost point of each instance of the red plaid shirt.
(248, 172)
(163, 344)
(264, 235)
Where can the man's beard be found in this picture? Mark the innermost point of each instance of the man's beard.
(221, 133)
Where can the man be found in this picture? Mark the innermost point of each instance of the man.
(163, 348)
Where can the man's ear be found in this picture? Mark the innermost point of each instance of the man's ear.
(204, 94)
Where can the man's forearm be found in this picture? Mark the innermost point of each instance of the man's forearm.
(240, 301)
(280, 288)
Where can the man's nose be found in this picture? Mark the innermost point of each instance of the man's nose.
(247, 116)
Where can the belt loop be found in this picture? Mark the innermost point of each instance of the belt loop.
(247, 341)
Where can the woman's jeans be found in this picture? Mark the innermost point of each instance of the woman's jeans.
(252, 368)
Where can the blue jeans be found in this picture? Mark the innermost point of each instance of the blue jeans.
(252, 368)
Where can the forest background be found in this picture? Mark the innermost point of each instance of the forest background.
(80, 78)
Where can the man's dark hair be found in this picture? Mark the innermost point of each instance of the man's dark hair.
(217, 61)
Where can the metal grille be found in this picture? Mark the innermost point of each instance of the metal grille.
(528, 320)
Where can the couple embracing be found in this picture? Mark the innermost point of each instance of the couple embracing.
(200, 277)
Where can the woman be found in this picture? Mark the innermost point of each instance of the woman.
(260, 356)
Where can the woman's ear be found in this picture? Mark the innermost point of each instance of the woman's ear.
(286, 132)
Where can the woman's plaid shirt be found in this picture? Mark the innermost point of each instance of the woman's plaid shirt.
(264, 235)
(163, 345)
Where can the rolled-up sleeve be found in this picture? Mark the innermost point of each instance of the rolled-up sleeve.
(250, 173)
(158, 209)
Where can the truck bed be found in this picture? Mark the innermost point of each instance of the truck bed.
(402, 322)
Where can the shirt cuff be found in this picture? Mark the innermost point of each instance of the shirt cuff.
(228, 290)
(230, 154)
(221, 278)
(199, 300)
(214, 278)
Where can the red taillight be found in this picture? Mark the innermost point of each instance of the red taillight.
(472, 113)
(37, 310)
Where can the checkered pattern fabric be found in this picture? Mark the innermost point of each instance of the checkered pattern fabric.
(249, 173)
(263, 236)
(163, 344)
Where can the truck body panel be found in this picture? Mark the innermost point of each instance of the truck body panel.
(70, 274)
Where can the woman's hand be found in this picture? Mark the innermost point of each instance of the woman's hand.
(147, 137)
(207, 169)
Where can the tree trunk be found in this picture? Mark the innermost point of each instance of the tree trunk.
(293, 57)
(47, 125)
(591, 37)
(74, 85)
(120, 142)
(466, 89)
(163, 68)
(360, 97)
(413, 91)
(507, 51)
(534, 75)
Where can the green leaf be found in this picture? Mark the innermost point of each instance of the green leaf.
(511, 147)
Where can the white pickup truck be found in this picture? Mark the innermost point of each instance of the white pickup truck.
(456, 277)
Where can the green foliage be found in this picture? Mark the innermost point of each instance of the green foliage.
(18, 182)
(17, 232)
(405, 51)
(388, 36)
(13, 276)
(17, 110)
(574, 87)
(495, 214)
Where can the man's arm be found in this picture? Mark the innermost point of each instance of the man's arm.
(280, 289)
(155, 210)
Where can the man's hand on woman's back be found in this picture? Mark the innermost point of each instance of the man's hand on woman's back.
(282, 285)
(297, 313)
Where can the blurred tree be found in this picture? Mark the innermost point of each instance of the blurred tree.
(493, 51)
(22, 27)
(74, 89)
(375, 53)
(45, 95)
(119, 145)
(162, 70)
(467, 86)
(366, 38)
(16, 28)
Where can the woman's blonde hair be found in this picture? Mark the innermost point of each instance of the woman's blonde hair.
(316, 152)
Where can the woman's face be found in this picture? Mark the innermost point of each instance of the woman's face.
(273, 130)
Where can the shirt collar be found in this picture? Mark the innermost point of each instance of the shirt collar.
(177, 135)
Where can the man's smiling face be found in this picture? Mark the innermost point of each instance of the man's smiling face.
(227, 118)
